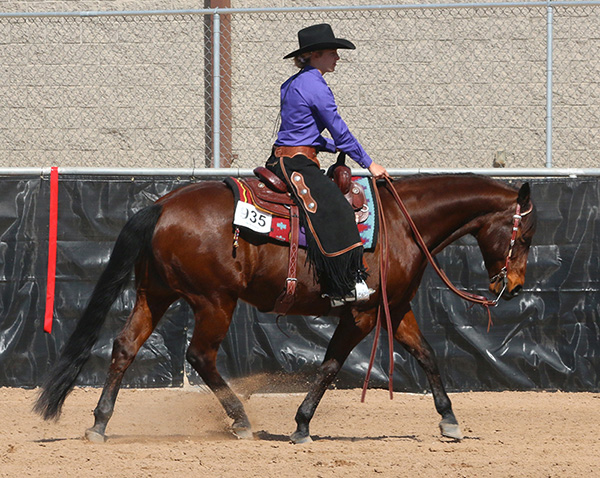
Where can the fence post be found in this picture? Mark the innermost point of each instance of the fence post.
(549, 39)
(216, 90)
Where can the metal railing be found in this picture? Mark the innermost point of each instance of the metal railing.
(216, 173)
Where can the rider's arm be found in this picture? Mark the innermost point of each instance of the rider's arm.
(325, 109)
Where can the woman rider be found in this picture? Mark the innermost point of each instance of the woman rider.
(307, 108)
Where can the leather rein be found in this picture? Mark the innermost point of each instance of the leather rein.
(502, 275)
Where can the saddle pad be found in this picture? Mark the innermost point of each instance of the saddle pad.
(248, 216)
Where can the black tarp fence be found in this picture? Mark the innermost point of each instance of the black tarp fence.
(547, 338)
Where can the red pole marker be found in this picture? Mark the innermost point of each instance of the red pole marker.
(51, 250)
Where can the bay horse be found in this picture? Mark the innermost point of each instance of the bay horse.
(181, 247)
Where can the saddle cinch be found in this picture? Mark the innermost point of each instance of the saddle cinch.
(270, 193)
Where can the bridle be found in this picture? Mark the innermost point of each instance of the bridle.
(502, 275)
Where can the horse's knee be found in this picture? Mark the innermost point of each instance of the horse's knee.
(329, 369)
(427, 357)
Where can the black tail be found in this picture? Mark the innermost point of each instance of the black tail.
(132, 245)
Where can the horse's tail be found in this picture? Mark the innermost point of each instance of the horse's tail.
(133, 244)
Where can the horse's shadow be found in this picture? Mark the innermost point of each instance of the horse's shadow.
(121, 439)
(266, 436)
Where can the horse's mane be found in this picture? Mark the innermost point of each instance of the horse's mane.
(468, 181)
(474, 176)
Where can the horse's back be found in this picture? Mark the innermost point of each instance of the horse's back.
(205, 206)
(192, 194)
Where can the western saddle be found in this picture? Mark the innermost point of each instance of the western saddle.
(270, 193)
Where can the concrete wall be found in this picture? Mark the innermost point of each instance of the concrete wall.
(424, 88)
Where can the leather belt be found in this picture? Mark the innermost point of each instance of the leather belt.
(290, 151)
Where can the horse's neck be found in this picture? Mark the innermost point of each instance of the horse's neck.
(454, 208)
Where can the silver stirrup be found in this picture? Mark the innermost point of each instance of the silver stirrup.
(361, 293)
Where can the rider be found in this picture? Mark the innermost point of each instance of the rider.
(335, 250)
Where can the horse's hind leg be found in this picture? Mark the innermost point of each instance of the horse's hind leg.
(140, 324)
(409, 335)
(212, 323)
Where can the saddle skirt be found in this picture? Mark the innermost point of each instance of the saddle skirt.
(262, 206)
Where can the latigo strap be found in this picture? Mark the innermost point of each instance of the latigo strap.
(287, 297)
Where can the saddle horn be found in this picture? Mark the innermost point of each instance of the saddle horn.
(340, 161)
(341, 174)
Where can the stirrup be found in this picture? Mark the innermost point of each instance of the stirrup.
(361, 293)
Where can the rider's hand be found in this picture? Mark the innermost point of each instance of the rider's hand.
(378, 171)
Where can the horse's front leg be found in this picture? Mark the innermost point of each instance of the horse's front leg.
(409, 335)
(352, 328)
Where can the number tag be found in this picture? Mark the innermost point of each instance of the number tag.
(247, 215)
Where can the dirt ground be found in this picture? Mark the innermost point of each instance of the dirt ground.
(183, 432)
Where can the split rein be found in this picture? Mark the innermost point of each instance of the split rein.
(383, 269)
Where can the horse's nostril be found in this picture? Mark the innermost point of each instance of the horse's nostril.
(516, 290)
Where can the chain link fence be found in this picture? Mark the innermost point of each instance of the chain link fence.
(576, 91)
(426, 87)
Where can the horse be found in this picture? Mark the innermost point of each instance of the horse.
(181, 247)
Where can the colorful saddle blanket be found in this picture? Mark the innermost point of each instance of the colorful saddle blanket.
(255, 214)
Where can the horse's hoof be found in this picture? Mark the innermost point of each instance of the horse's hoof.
(299, 438)
(243, 433)
(93, 436)
(451, 430)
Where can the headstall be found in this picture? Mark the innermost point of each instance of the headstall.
(502, 274)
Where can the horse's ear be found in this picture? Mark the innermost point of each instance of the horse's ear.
(524, 195)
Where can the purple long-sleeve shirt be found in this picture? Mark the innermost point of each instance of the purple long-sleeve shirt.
(307, 108)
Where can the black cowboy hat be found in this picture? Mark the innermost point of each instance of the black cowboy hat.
(319, 37)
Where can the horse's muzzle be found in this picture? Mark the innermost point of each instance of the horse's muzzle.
(505, 292)
(515, 291)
